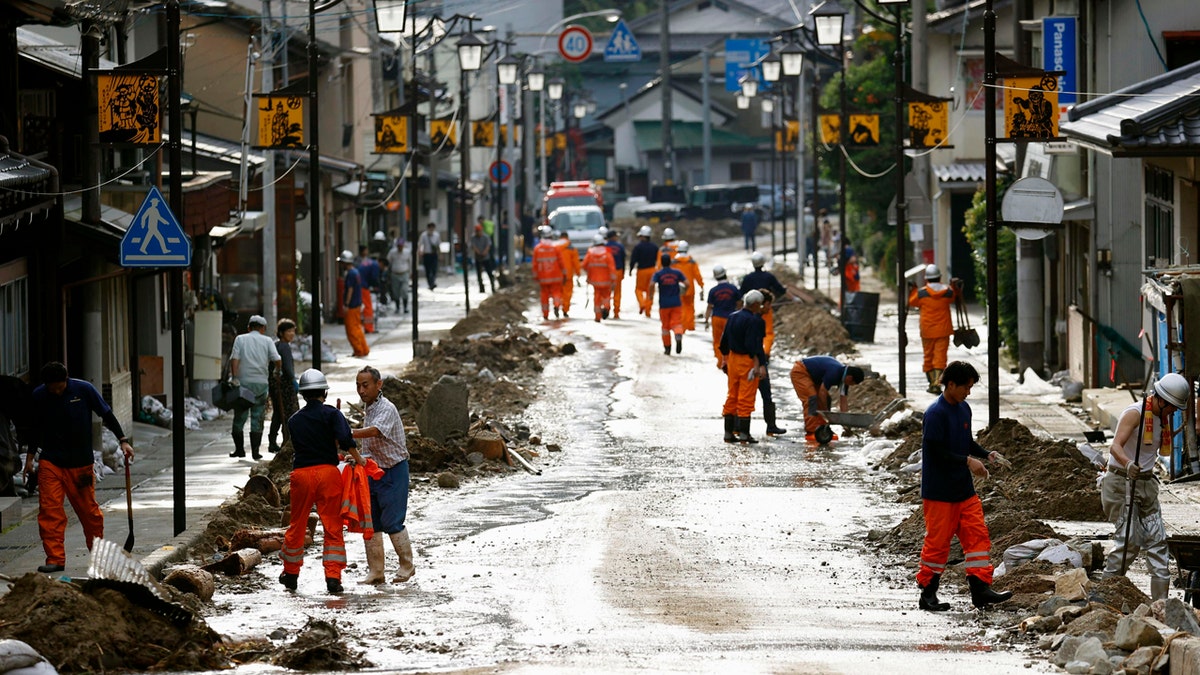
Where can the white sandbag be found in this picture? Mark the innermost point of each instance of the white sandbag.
(15, 654)
(1061, 554)
(1019, 554)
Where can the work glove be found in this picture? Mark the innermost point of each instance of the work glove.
(998, 458)
(701, 295)
(234, 382)
(1132, 470)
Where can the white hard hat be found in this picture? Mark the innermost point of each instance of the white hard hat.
(752, 298)
(313, 380)
(603, 231)
(346, 257)
(719, 272)
(668, 233)
(757, 259)
(681, 246)
(598, 240)
(1174, 389)
(380, 236)
(932, 272)
(645, 231)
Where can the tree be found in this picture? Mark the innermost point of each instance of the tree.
(1006, 258)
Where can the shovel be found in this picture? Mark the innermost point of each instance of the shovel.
(129, 506)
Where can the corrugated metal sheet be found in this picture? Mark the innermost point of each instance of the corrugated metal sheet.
(963, 172)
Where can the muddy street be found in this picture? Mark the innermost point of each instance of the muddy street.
(647, 544)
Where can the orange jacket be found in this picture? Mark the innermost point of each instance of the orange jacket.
(668, 247)
(547, 263)
(768, 318)
(356, 497)
(934, 300)
(684, 263)
(599, 265)
(570, 259)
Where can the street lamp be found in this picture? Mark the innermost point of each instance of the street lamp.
(554, 89)
(580, 109)
(772, 67)
(791, 58)
(749, 85)
(743, 102)
(535, 79)
(470, 58)
(901, 200)
(390, 15)
(506, 69)
(828, 18)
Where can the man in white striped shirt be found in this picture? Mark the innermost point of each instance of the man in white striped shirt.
(381, 438)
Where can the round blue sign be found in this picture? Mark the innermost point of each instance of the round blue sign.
(500, 171)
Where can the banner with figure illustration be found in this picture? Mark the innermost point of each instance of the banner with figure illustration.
(280, 121)
(129, 109)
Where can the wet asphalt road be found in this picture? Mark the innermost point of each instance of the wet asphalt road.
(647, 544)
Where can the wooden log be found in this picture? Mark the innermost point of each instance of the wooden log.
(237, 563)
(192, 579)
(263, 540)
(264, 487)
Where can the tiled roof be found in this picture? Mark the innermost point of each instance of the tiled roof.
(1158, 116)
(964, 172)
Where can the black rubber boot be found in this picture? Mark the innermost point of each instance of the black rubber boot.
(769, 418)
(255, 443)
(332, 585)
(743, 428)
(929, 599)
(982, 594)
(730, 428)
(239, 446)
(678, 343)
(289, 580)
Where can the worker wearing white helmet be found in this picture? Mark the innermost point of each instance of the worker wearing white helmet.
(933, 300)
(760, 278)
(572, 269)
(669, 246)
(1143, 434)
(643, 258)
(601, 271)
(684, 262)
(617, 249)
(723, 300)
(744, 362)
(549, 272)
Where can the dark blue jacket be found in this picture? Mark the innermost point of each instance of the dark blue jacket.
(354, 285)
(644, 256)
(825, 370)
(64, 423)
(318, 430)
(618, 254)
(724, 299)
(946, 441)
(670, 282)
(744, 334)
(760, 279)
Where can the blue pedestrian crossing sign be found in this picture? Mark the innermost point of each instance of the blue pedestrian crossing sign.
(621, 46)
(155, 238)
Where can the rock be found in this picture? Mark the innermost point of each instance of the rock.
(447, 479)
(1133, 632)
(554, 447)
(567, 349)
(1072, 585)
(1095, 621)
(1104, 667)
(1140, 659)
(535, 440)
(522, 432)
(445, 410)
(1041, 624)
(488, 443)
(1066, 650)
(1179, 616)
(1092, 651)
(1071, 612)
(487, 375)
(1078, 667)
(1052, 605)
(475, 458)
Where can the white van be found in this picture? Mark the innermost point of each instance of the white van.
(581, 223)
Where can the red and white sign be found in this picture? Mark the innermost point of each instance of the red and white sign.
(575, 43)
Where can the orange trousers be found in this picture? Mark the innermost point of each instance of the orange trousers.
(368, 312)
(354, 332)
(551, 292)
(718, 329)
(739, 400)
(689, 311)
(935, 353)
(671, 323)
(77, 486)
(568, 290)
(601, 297)
(616, 294)
(945, 520)
(320, 485)
(806, 390)
(641, 290)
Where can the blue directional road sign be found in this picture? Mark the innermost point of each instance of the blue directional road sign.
(739, 54)
(154, 238)
(621, 46)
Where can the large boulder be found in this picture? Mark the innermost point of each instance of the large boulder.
(445, 410)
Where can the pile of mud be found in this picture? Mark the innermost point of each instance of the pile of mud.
(499, 309)
(693, 231)
(102, 629)
(803, 322)
(872, 395)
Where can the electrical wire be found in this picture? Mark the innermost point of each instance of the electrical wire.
(92, 187)
(1150, 34)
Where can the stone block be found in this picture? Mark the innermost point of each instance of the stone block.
(1184, 654)
(1133, 632)
(445, 410)
(10, 511)
(488, 443)
(1180, 616)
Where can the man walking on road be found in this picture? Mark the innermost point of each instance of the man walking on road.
(723, 300)
(571, 270)
(671, 284)
(745, 362)
(949, 457)
(250, 363)
(618, 254)
(686, 264)
(283, 384)
(429, 246)
(318, 430)
(1143, 432)
(382, 438)
(934, 300)
(643, 258)
(813, 379)
(400, 264)
(749, 227)
(62, 408)
(481, 250)
(601, 272)
(549, 273)
(761, 279)
(352, 302)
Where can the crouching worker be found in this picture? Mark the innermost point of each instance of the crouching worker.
(949, 456)
(318, 430)
(813, 379)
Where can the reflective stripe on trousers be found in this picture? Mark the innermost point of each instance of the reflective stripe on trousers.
(320, 486)
(944, 521)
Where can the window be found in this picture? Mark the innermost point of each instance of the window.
(1160, 216)
(14, 319)
(740, 171)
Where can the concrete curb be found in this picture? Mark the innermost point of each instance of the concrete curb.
(1185, 655)
(176, 550)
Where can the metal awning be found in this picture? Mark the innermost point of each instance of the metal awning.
(1080, 209)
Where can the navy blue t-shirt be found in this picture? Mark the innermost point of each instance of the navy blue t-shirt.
(318, 430)
(724, 299)
(64, 423)
(760, 279)
(618, 254)
(825, 370)
(945, 443)
(644, 256)
(354, 285)
(744, 335)
(670, 282)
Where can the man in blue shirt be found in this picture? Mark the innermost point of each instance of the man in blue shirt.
(618, 253)
(749, 226)
(63, 408)
(813, 379)
(723, 300)
(644, 258)
(761, 279)
(670, 283)
(949, 456)
(352, 301)
(744, 363)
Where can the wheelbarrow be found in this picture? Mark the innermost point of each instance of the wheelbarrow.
(1185, 549)
(855, 420)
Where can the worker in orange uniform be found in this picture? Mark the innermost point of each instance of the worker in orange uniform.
(686, 264)
(318, 430)
(764, 382)
(644, 258)
(571, 270)
(934, 301)
(745, 362)
(352, 300)
(549, 272)
(723, 300)
(850, 275)
(601, 271)
(618, 255)
(814, 378)
(671, 284)
(669, 246)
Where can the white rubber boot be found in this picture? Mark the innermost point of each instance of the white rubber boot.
(374, 547)
(404, 549)
(1159, 588)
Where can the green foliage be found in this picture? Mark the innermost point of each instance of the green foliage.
(1006, 268)
(870, 88)
(630, 10)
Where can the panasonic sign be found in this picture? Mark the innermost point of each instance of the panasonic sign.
(1059, 40)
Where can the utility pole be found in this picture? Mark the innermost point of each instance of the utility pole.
(664, 66)
(269, 255)
(175, 276)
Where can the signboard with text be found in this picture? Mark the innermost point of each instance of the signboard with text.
(1059, 53)
(739, 54)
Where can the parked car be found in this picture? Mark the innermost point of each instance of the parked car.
(570, 193)
(581, 223)
(764, 204)
(827, 194)
(714, 201)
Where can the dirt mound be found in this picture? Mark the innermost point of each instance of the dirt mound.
(872, 395)
(499, 309)
(319, 647)
(1119, 593)
(249, 511)
(101, 629)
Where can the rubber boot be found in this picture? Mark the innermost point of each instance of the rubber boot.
(730, 428)
(769, 417)
(289, 580)
(743, 428)
(982, 594)
(239, 445)
(374, 547)
(1159, 588)
(333, 585)
(929, 599)
(934, 376)
(403, 547)
(678, 343)
(255, 443)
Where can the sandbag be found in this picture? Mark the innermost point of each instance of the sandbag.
(15, 654)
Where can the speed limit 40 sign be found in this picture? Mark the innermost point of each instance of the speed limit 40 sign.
(575, 43)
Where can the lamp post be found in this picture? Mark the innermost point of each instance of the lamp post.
(579, 110)
(506, 75)
(470, 58)
(901, 201)
(554, 89)
(535, 79)
(771, 67)
(828, 18)
(791, 63)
